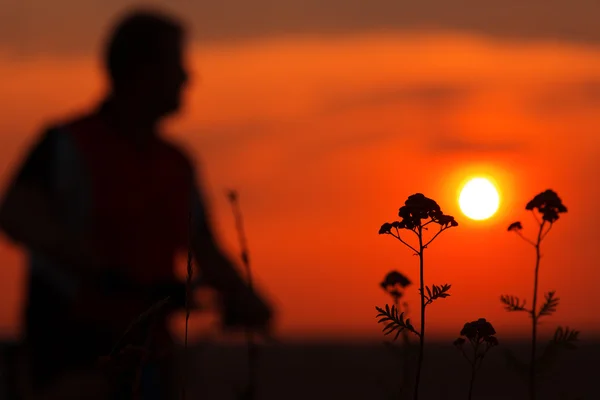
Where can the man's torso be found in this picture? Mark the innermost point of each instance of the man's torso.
(134, 204)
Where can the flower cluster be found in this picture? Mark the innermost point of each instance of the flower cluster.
(393, 283)
(515, 226)
(548, 204)
(417, 212)
(478, 332)
(417, 208)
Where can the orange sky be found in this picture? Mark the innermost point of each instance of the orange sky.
(325, 138)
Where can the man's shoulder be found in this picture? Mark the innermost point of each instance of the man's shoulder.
(56, 134)
(73, 124)
(81, 124)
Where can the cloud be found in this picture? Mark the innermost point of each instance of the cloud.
(458, 144)
(233, 133)
(34, 29)
(343, 122)
(428, 94)
(565, 97)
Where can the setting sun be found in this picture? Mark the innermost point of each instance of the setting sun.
(479, 199)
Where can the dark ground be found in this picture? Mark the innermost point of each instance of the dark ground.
(370, 371)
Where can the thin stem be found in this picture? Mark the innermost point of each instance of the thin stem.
(474, 368)
(422, 333)
(406, 343)
(525, 239)
(462, 350)
(405, 337)
(436, 235)
(407, 352)
(535, 217)
(250, 390)
(481, 360)
(397, 236)
(532, 370)
(188, 298)
(427, 223)
(473, 373)
(406, 309)
(545, 233)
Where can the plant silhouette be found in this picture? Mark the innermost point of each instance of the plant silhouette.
(480, 335)
(395, 284)
(417, 213)
(189, 291)
(546, 208)
(249, 393)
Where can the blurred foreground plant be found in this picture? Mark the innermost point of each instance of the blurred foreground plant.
(249, 393)
(480, 335)
(395, 284)
(546, 208)
(417, 213)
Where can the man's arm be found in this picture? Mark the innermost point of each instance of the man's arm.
(243, 306)
(29, 213)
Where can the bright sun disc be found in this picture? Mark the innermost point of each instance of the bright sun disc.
(479, 199)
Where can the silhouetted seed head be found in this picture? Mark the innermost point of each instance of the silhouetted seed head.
(395, 278)
(548, 204)
(459, 342)
(515, 226)
(446, 221)
(415, 209)
(476, 330)
(394, 283)
(385, 228)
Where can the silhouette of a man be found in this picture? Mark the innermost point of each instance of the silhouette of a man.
(102, 203)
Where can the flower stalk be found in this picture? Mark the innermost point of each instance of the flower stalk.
(480, 335)
(417, 213)
(548, 206)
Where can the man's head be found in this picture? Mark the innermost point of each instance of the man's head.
(144, 59)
